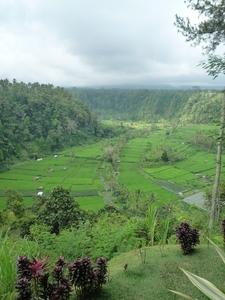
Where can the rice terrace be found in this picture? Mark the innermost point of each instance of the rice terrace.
(83, 170)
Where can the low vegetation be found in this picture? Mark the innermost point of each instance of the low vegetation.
(35, 281)
(153, 277)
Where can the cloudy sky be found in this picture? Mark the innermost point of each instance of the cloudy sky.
(97, 43)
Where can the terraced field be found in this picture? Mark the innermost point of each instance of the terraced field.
(193, 170)
(77, 172)
(140, 167)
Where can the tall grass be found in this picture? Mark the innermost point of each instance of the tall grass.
(163, 235)
(152, 221)
(9, 251)
(7, 268)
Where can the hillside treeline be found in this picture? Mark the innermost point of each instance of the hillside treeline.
(194, 106)
(36, 119)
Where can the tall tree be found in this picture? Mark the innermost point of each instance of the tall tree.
(14, 202)
(59, 210)
(214, 66)
(210, 33)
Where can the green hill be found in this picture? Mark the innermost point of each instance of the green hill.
(153, 278)
(193, 106)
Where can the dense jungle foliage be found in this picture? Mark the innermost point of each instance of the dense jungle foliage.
(36, 119)
(194, 106)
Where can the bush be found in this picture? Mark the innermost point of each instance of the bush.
(35, 281)
(86, 278)
(187, 237)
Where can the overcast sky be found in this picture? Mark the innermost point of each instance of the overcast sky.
(97, 43)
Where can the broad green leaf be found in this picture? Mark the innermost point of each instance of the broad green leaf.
(182, 295)
(220, 252)
(205, 286)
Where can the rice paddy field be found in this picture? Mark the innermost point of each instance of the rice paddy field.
(76, 171)
(81, 170)
(193, 171)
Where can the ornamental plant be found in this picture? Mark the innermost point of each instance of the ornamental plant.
(36, 281)
(187, 237)
(87, 278)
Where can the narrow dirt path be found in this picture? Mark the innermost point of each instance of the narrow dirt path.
(110, 202)
(108, 199)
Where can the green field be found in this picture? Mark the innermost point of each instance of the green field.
(77, 173)
(194, 168)
(79, 169)
(91, 202)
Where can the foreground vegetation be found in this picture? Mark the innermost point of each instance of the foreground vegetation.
(56, 226)
(154, 278)
(148, 274)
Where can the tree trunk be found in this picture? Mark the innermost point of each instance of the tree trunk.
(215, 201)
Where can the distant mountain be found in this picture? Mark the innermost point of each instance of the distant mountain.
(188, 105)
(202, 87)
(153, 87)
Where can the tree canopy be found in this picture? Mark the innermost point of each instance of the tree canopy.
(38, 118)
(210, 30)
(194, 105)
(59, 210)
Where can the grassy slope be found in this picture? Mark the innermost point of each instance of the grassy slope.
(152, 279)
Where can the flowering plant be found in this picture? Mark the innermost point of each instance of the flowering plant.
(35, 280)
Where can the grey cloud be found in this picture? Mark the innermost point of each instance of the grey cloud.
(87, 42)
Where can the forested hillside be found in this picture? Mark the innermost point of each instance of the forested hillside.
(36, 119)
(194, 106)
